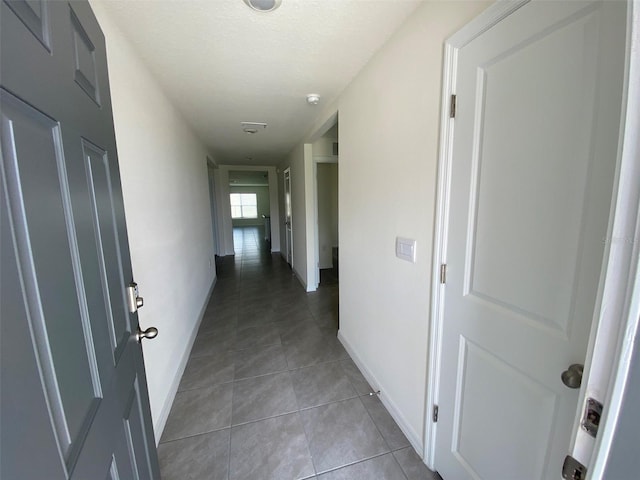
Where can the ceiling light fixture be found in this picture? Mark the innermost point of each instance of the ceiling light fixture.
(313, 99)
(263, 5)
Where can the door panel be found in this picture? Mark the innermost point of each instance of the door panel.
(534, 157)
(33, 159)
(67, 235)
(97, 169)
(24, 410)
(137, 439)
(518, 406)
(533, 211)
(85, 73)
(35, 16)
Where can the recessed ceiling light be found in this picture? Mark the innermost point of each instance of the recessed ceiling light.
(263, 5)
(313, 99)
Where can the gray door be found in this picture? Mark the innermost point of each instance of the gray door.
(74, 400)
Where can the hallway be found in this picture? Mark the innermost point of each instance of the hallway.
(270, 393)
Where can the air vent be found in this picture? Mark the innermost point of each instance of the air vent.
(252, 127)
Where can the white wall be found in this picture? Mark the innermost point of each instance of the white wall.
(166, 197)
(300, 160)
(388, 133)
(324, 145)
(388, 130)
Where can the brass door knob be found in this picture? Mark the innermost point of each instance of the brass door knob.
(572, 376)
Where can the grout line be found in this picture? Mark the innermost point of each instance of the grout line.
(229, 450)
(192, 435)
(362, 461)
(262, 419)
(204, 386)
(384, 439)
(328, 403)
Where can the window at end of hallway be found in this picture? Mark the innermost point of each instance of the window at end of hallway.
(244, 205)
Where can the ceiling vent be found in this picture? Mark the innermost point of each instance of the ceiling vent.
(252, 127)
(263, 5)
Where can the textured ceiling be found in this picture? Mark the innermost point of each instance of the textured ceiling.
(222, 63)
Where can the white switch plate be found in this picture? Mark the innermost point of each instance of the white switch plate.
(406, 249)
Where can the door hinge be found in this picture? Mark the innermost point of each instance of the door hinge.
(572, 469)
(435, 414)
(443, 273)
(452, 107)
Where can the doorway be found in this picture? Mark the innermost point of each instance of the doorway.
(327, 221)
(249, 197)
(324, 242)
(288, 218)
(213, 205)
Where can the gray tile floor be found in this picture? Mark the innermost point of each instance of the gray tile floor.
(270, 393)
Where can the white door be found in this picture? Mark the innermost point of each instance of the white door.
(288, 234)
(533, 163)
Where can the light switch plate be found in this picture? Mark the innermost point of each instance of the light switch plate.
(406, 249)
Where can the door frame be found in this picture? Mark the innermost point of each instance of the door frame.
(288, 239)
(213, 205)
(225, 223)
(614, 328)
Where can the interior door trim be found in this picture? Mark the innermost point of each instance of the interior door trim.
(487, 19)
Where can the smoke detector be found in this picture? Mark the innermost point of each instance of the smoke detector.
(313, 99)
(252, 127)
(263, 5)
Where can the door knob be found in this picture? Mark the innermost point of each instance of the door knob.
(572, 376)
(151, 332)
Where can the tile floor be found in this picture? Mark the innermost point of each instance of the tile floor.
(270, 393)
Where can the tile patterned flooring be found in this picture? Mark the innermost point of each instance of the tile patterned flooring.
(270, 393)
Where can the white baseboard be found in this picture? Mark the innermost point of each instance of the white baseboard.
(390, 405)
(300, 278)
(161, 422)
